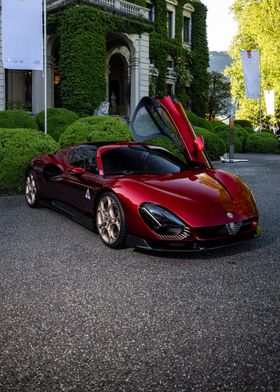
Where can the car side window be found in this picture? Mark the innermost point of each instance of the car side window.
(85, 157)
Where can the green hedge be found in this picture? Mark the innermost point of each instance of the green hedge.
(249, 130)
(16, 119)
(244, 123)
(221, 128)
(216, 124)
(95, 128)
(17, 148)
(267, 130)
(262, 142)
(239, 138)
(214, 146)
(199, 121)
(58, 120)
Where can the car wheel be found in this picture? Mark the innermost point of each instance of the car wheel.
(110, 220)
(31, 189)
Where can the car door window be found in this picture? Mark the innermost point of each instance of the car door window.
(84, 156)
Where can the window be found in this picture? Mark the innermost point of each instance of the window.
(170, 24)
(141, 159)
(170, 63)
(170, 89)
(84, 156)
(188, 9)
(151, 9)
(187, 30)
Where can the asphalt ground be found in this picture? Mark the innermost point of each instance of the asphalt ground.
(78, 316)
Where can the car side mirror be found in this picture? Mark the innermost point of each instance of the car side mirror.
(77, 171)
(199, 143)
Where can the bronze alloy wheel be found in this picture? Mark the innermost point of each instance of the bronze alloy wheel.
(110, 220)
(31, 189)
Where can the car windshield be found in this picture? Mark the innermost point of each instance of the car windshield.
(141, 159)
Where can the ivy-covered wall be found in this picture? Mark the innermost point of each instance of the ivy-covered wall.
(190, 65)
(82, 34)
(161, 46)
(83, 30)
(200, 60)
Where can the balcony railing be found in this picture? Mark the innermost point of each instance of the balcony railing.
(119, 6)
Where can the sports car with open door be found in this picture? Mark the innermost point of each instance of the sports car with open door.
(141, 195)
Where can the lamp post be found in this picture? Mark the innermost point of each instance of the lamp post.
(45, 67)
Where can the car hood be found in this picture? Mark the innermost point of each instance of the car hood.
(198, 197)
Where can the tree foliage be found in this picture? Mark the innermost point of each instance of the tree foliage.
(219, 95)
(258, 28)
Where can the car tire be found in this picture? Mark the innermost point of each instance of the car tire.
(110, 220)
(31, 189)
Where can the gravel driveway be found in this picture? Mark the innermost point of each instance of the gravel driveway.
(77, 316)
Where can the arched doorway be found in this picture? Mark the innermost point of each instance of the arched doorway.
(118, 84)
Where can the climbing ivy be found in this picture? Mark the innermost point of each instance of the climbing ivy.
(82, 65)
(82, 32)
(200, 60)
(186, 60)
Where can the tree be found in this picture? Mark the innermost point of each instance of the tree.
(219, 95)
(258, 28)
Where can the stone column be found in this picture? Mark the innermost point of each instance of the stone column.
(37, 92)
(135, 76)
(139, 68)
(144, 65)
(38, 99)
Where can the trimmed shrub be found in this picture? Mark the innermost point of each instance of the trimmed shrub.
(192, 117)
(203, 123)
(221, 128)
(16, 119)
(199, 121)
(267, 130)
(17, 148)
(261, 142)
(58, 121)
(214, 146)
(239, 138)
(216, 124)
(243, 123)
(95, 128)
(249, 130)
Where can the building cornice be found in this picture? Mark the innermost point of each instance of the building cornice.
(188, 7)
(120, 6)
(172, 2)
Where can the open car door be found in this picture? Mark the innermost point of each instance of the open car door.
(166, 117)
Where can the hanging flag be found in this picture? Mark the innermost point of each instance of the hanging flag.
(251, 70)
(269, 102)
(22, 34)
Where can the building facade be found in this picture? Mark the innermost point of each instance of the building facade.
(131, 68)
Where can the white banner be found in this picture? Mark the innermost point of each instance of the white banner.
(22, 34)
(251, 69)
(269, 102)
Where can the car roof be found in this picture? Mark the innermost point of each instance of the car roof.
(109, 143)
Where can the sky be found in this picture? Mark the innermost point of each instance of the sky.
(221, 26)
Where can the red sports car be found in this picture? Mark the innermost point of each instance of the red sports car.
(143, 196)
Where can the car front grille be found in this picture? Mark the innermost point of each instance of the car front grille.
(221, 231)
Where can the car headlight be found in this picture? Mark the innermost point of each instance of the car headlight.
(165, 224)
